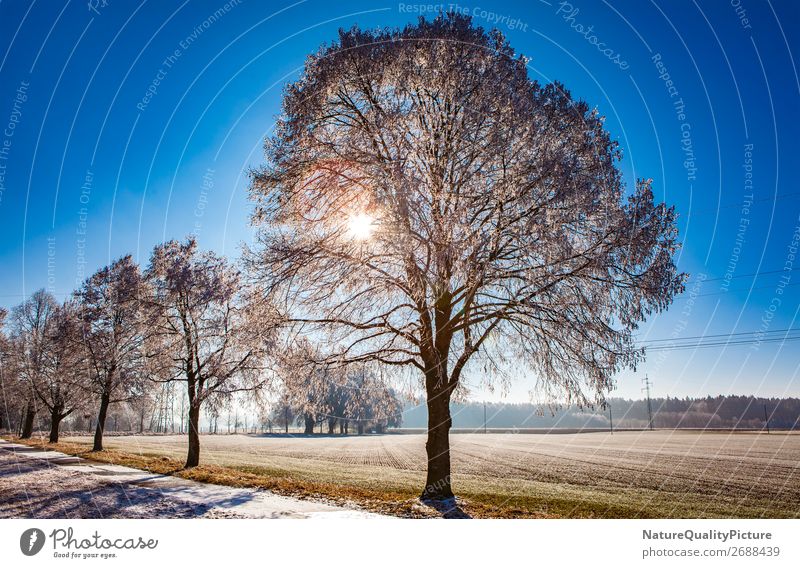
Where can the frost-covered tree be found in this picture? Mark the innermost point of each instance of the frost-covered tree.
(112, 332)
(282, 412)
(31, 349)
(317, 389)
(369, 400)
(308, 383)
(209, 330)
(61, 385)
(12, 392)
(6, 400)
(424, 203)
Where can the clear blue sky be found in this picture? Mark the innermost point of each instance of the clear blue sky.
(135, 123)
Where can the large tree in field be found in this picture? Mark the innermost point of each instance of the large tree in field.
(209, 331)
(112, 332)
(426, 204)
(31, 349)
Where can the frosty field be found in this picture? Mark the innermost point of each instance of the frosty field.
(627, 474)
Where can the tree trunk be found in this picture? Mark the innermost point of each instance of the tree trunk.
(360, 426)
(193, 459)
(27, 425)
(309, 421)
(105, 399)
(437, 484)
(55, 421)
(331, 425)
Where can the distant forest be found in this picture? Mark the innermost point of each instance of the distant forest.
(710, 412)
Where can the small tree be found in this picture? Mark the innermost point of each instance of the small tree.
(307, 383)
(112, 331)
(425, 204)
(283, 414)
(210, 331)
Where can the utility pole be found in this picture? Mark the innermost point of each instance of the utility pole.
(647, 385)
(484, 417)
(610, 420)
(766, 418)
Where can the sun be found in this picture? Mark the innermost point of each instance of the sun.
(361, 226)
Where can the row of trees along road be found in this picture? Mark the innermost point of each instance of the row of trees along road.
(188, 318)
(424, 204)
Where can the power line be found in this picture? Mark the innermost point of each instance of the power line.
(754, 274)
(701, 345)
(787, 330)
(724, 292)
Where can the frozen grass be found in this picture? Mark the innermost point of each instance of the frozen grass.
(630, 474)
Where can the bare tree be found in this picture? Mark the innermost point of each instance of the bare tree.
(370, 400)
(283, 414)
(307, 383)
(31, 348)
(316, 389)
(60, 385)
(111, 335)
(210, 332)
(8, 398)
(425, 204)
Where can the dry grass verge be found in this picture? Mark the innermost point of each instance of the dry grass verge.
(396, 502)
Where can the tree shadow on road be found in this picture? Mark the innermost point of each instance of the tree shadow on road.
(447, 508)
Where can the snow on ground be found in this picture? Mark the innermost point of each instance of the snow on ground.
(37, 484)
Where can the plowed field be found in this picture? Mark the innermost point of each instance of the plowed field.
(627, 474)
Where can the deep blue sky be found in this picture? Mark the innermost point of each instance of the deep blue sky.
(175, 163)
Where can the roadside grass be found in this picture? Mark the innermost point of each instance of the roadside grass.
(395, 492)
(396, 501)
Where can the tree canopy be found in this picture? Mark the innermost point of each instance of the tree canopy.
(425, 203)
